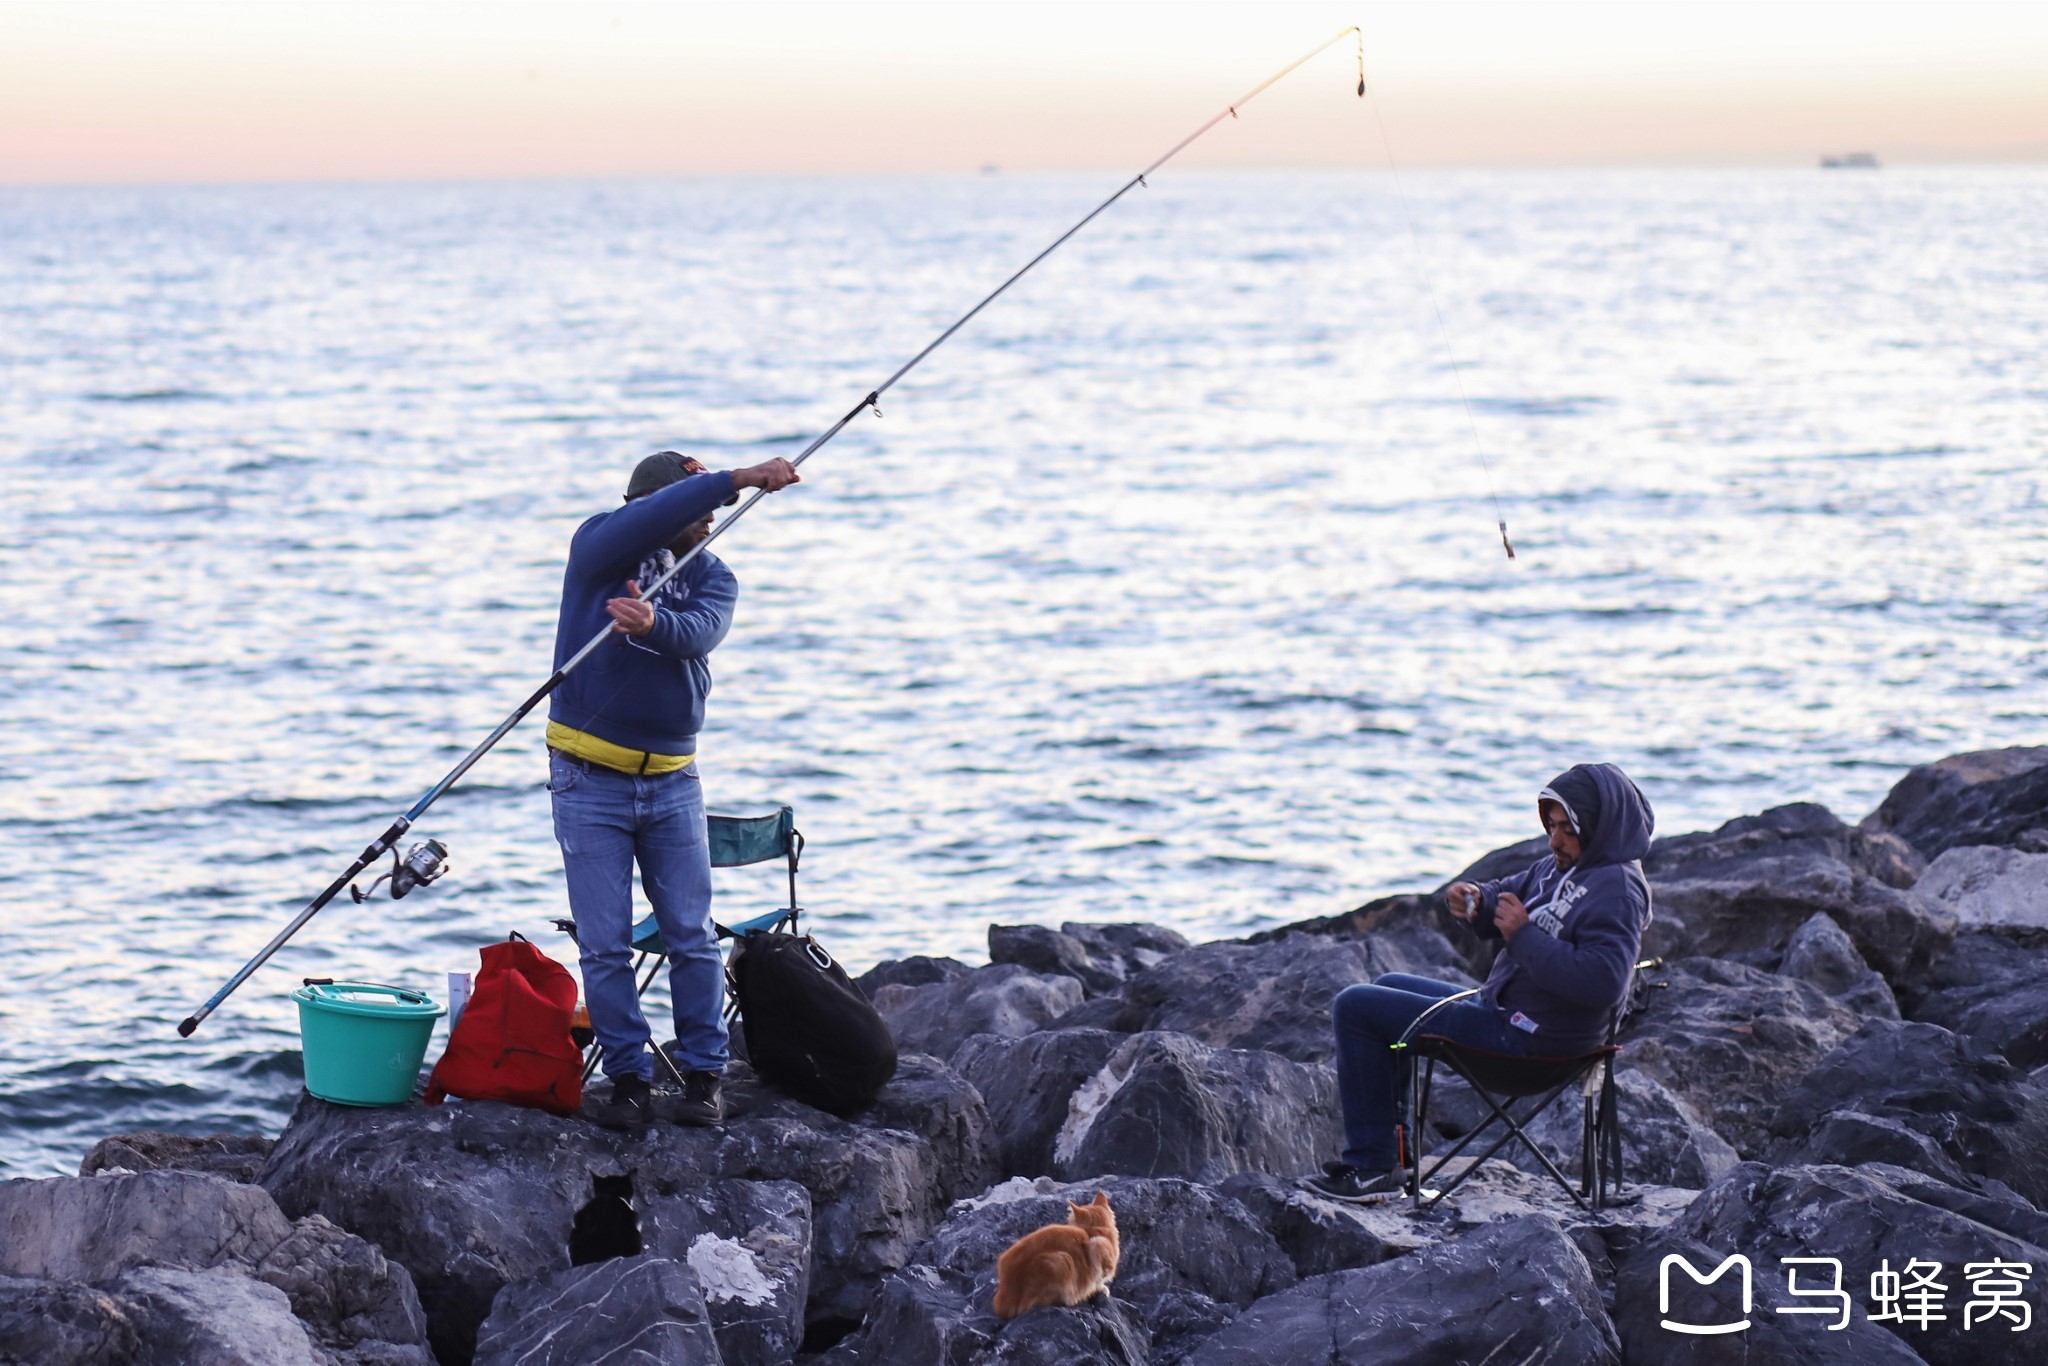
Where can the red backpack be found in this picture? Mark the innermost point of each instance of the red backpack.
(512, 1043)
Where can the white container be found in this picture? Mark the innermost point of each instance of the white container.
(458, 997)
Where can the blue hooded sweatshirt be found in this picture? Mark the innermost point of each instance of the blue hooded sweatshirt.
(647, 692)
(1569, 968)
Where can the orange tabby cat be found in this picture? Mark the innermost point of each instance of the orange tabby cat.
(1060, 1263)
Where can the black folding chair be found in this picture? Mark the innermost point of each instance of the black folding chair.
(735, 842)
(1501, 1080)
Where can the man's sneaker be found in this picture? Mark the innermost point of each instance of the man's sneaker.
(701, 1104)
(1341, 1181)
(630, 1106)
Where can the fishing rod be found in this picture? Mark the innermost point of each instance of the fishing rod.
(424, 861)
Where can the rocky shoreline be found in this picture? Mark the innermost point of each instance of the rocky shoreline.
(1834, 1064)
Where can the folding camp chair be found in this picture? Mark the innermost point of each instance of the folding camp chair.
(1500, 1080)
(735, 842)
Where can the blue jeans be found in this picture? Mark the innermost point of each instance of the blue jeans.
(604, 821)
(1371, 1077)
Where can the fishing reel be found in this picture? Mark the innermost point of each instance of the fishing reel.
(422, 863)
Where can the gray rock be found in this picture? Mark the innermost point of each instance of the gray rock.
(63, 1323)
(357, 1304)
(1321, 1235)
(476, 1195)
(1731, 1041)
(1169, 1105)
(934, 1320)
(1191, 1258)
(1664, 1141)
(916, 971)
(1513, 1292)
(1028, 1084)
(632, 1311)
(747, 1247)
(214, 1316)
(1126, 948)
(1274, 994)
(1867, 1218)
(1416, 925)
(1000, 999)
(1980, 1110)
(1772, 1338)
(1052, 953)
(232, 1157)
(1822, 954)
(1992, 796)
(1993, 986)
(1990, 887)
(1742, 890)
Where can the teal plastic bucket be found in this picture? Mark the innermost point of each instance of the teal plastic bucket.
(363, 1042)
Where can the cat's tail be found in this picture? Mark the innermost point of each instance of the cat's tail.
(1008, 1303)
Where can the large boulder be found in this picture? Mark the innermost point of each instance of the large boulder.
(925, 1317)
(1028, 1084)
(1871, 1219)
(476, 1195)
(1515, 1292)
(1169, 1105)
(1742, 890)
(1319, 1234)
(232, 1157)
(1993, 986)
(1988, 887)
(915, 971)
(1993, 796)
(1822, 954)
(63, 1323)
(1976, 1108)
(214, 1316)
(1664, 1141)
(1191, 1259)
(1098, 956)
(343, 1295)
(1730, 1041)
(632, 1311)
(1273, 994)
(1002, 998)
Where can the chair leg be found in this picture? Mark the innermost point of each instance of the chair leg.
(1505, 1117)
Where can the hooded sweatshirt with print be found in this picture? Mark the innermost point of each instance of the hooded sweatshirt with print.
(1568, 968)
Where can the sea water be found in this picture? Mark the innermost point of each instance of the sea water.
(1170, 589)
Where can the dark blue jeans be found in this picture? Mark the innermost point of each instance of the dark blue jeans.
(1373, 1079)
(606, 822)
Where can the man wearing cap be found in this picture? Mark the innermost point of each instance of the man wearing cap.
(1572, 923)
(622, 772)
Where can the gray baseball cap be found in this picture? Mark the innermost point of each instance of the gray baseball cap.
(663, 468)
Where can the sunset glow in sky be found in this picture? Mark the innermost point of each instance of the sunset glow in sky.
(99, 93)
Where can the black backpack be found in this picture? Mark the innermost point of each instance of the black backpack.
(806, 1027)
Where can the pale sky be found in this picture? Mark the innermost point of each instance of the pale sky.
(171, 92)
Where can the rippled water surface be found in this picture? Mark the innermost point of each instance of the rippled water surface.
(1168, 590)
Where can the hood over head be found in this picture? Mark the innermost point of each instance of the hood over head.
(1608, 812)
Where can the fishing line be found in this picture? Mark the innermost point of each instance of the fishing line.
(1443, 331)
(386, 842)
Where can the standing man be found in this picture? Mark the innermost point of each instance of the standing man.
(622, 771)
(1572, 923)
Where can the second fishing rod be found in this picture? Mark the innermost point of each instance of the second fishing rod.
(424, 862)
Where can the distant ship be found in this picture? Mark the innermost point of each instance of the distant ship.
(1850, 161)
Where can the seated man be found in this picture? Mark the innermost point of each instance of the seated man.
(1572, 926)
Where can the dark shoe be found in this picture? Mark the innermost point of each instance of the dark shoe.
(630, 1107)
(1341, 1181)
(701, 1103)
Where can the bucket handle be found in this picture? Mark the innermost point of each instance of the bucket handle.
(406, 994)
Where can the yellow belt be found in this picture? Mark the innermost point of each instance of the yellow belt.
(584, 745)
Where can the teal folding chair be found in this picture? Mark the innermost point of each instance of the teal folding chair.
(736, 841)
